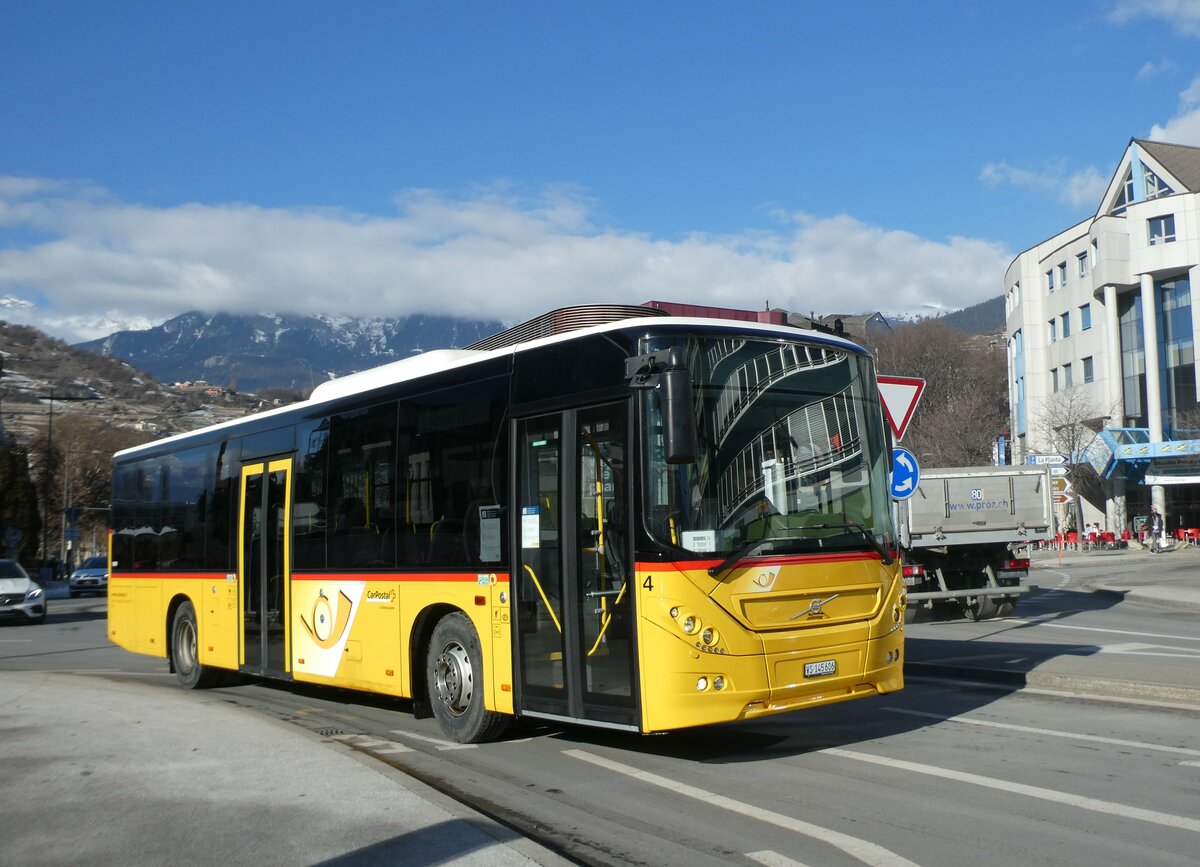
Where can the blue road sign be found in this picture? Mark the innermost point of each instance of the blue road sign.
(906, 475)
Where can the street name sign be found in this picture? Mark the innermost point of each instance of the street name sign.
(1046, 460)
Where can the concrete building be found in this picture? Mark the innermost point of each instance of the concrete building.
(1100, 325)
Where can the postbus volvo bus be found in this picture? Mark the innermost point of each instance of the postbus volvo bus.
(604, 516)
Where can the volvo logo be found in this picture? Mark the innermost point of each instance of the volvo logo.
(814, 607)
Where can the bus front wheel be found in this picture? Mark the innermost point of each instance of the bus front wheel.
(185, 656)
(454, 672)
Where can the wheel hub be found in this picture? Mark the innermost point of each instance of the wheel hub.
(453, 678)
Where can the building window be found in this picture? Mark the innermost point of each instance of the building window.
(1062, 273)
(1095, 253)
(1089, 369)
(1066, 325)
(1155, 186)
(1053, 331)
(1162, 229)
(1085, 317)
(1016, 293)
(1054, 379)
(1081, 262)
(1067, 381)
(1050, 280)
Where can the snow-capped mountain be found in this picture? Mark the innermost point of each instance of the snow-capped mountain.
(250, 353)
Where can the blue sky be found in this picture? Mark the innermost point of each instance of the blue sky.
(503, 159)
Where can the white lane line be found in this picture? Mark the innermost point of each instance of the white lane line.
(1074, 736)
(1190, 764)
(440, 744)
(863, 850)
(773, 859)
(1097, 806)
(1037, 622)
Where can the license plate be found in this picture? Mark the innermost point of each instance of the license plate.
(820, 669)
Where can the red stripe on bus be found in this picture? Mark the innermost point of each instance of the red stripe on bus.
(472, 577)
(759, 560)
(177, 576)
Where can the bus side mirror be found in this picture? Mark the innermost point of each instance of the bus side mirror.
(668, 374)
(679, 415)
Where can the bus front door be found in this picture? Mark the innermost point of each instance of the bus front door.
(264, 565)
(571, 582)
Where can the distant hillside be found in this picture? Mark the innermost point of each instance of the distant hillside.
(982, 318)
(252, 353)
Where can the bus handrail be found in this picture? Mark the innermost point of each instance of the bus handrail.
(542, 593)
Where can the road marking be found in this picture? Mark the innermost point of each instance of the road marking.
(773, 859)
(440, 744)
(1190, 764)
(1036, 622)
(1096, 739)
(863, 850)
(375, 746)
(1109, 808)
(1133, 648)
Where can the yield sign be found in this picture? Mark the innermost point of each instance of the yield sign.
(899, 395)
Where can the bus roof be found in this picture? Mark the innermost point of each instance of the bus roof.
(440, 360)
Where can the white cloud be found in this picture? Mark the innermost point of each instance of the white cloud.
(1151, 69)
(1183, 15)
(106, 264)
(1079, 189)
(1184, 127)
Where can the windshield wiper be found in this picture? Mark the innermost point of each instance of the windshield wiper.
(738, 554)
(750, 547)
(867, 535)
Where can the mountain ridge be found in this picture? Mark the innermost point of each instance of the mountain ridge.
(257, 351)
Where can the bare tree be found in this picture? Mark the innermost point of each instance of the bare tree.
(1067, 424)
(965, 404)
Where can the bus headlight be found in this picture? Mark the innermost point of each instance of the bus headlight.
(708, 636)
(690, 624)
(701, 684)
(718, 682)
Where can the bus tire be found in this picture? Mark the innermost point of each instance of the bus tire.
(185, 656)
(454, 672)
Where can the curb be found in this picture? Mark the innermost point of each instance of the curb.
(1064, 682)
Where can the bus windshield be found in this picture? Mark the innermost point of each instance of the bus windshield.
(791, 456)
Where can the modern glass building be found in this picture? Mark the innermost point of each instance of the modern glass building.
(1101, 325)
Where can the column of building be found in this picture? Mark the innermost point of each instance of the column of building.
(1154, 408)
(1116, 511)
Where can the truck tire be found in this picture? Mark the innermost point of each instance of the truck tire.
(981, 608)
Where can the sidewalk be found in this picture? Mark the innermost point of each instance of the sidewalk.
(1144, 580)
(100, 772)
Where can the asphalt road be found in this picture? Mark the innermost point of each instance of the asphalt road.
(977, 761)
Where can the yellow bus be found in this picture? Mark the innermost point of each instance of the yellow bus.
(606, 516)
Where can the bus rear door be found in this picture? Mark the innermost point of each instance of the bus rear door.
(264, 565)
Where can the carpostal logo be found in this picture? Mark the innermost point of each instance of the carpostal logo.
(765, 579)
(325, 625)
(384, 596)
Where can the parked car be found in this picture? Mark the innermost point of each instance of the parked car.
(90, 576)
(20, 595)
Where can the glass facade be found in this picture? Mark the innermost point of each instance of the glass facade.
(1177, 363)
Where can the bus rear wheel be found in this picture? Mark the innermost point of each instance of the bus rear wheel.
(185, 656)
(454, 672)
